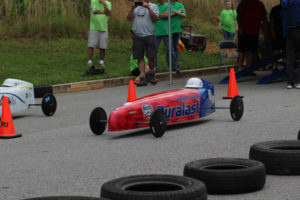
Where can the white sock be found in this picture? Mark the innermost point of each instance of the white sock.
(101, 62)
(90, 62)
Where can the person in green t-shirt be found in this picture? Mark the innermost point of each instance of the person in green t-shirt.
(178, 12)
(162, 32)
(228, 22)
(98, 34)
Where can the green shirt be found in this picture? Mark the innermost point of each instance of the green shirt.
(98, 22)
(176, 20)
(227, 19)
(162, 25)
(134, 63)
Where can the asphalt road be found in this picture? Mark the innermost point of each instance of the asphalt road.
(59, 155)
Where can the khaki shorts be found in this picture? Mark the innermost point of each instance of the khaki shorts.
(98, 39)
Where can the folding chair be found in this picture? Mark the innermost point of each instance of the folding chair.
(228, 52)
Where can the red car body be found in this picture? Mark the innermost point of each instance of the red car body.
(179, 105)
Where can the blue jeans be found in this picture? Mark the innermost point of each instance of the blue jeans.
(176, 37)
(165, 39)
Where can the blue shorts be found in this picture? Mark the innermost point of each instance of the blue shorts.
(228, 35)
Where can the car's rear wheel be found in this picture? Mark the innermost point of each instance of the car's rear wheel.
(236, 108)
(49, 104)
(98, 121)
(158, 123)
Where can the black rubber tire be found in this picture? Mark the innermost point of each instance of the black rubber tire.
(64, 198)
(158, 123)
(40, 91)
(49, 104)
(228, 175)
(298, 135)
(280, 157)
(236, 108)
(97, 126)
(154, 187)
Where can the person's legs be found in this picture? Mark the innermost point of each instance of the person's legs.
(290, 58)
(103, 39)
(250, 56)
(240, 60)
(90, 55)
(297, 69)
(157, 43)
(92, 43)
(173, 56)
(141, 64)
(138, 53)
(252, 44)
(150, 48)
(241, 51)
(102, 55)
(176, 37)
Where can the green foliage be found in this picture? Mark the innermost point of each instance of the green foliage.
(53, 19)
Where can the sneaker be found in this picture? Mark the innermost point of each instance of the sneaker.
(152, 78)
(142, 82)
(137, 80)
(297, 86)
(289, 86)
(90, 63)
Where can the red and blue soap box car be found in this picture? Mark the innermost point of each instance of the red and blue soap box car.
(195, 101)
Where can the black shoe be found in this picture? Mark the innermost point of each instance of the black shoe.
(152, 78)
(142, 82)
(93, 71)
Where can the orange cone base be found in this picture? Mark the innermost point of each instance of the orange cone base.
(10, 137)
(232, 97)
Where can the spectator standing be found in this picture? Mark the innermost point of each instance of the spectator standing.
(291, 30)
(250, 15)
(178, 12)
(143, 37)
(162, 32)
(98, 35)
(228, 23)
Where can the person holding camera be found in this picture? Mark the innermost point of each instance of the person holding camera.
(143, 14)
(98, 34)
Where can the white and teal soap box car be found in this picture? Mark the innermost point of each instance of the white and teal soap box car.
(21, 97)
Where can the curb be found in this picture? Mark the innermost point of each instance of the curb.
(113, 82)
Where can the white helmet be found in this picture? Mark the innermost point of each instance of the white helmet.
(194, 83)
(10, 82)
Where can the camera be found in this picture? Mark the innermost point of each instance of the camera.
(138, 3)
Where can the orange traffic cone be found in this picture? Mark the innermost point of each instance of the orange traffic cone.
(232, 86)
(7, 129)
(131, 92)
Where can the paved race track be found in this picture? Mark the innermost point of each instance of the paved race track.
(59, 155)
